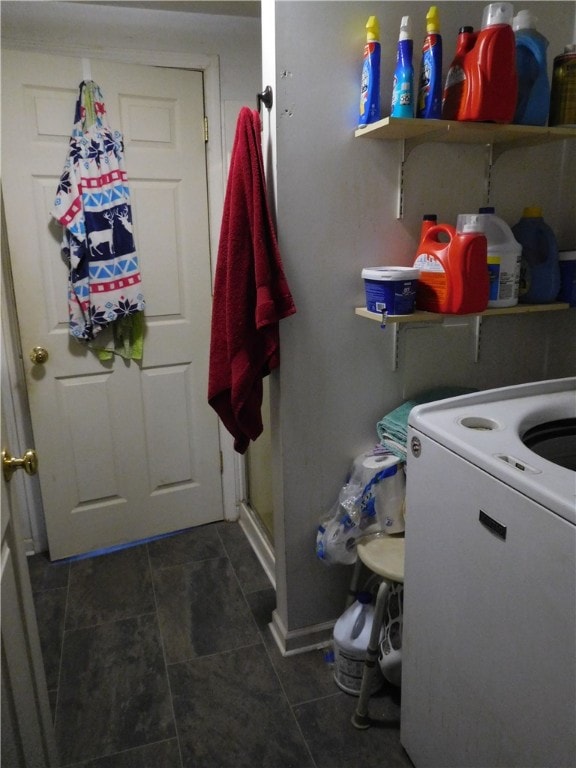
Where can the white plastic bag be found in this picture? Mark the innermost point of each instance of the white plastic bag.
(372, 500)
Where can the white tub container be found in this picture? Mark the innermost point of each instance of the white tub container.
(390, 289)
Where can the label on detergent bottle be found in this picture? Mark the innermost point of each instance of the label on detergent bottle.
(433, 287)
(509, 282)
(494, 275)
(503, 283)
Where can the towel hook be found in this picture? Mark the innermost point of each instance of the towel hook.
(265, 98)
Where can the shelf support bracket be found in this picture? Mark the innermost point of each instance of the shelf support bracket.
(395, 345)
(406, 147)
(403, 156)
(477, 330)
(490, 159)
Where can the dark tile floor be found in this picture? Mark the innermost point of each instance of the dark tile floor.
(159, 656)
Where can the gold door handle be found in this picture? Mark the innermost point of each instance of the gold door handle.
(28, 462)
(39, 355)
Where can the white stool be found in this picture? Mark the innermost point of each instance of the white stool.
(383, 554)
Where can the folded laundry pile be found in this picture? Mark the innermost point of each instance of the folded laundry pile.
(392, 429)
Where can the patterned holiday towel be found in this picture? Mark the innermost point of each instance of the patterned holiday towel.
(93, 205)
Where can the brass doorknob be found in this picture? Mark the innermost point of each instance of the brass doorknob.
(28, 462)
(39, 355)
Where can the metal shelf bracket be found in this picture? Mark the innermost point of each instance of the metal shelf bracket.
(406, 147)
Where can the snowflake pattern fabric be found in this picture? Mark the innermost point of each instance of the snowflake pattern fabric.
(93, 205)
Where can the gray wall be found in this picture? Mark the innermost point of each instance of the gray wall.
(336, 204)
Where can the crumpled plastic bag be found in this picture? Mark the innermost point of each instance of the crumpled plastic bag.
(355, 512)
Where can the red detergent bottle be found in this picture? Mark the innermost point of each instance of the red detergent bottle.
(490, 87)
(454, 85)
(453, 268)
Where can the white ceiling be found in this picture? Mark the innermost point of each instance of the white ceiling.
(230, 8)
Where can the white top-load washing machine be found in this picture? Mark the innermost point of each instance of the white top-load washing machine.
(489, 637)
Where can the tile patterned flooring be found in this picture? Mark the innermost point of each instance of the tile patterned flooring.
(159, 656)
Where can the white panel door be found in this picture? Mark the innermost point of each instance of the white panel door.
(128, 450)
(27, 731)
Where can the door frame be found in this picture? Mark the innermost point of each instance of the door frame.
(232, 465)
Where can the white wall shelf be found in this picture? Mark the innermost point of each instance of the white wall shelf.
(420, 316)
(433, 318)
(411, 132)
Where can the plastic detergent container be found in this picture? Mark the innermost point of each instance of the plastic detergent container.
(563, 95)
(539, 268)
(533, 84)
(567, 261)
(491, 82)
(454, 85)
(503, 260)
(428, 221)
(390, 289)
(453, 274)
(351, 638)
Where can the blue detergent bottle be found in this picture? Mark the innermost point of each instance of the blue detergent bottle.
(533, 84)
(539, 266)
(403, 85)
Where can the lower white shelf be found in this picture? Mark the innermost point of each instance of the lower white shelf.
(431, 318)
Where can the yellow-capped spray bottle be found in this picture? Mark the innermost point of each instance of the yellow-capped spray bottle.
(370, 82)
(429, 103)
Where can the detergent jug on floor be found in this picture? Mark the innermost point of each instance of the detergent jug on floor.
(540, 266)
(453, 269)
(351, 638)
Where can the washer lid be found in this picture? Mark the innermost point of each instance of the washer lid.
(487, 429)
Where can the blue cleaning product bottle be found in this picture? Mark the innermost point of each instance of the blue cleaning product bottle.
(430, 83)
(403, 84)
(539, 266)
(533, 83)
(370, 82)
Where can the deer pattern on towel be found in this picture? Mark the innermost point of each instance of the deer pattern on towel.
(93, 205)
(99, 239)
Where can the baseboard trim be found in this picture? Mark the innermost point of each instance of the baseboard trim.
(302, 640)
(258, 541)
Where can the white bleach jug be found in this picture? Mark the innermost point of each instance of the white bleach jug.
(351, 638)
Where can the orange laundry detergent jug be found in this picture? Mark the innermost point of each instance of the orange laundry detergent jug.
(454, 277)
(490, 84)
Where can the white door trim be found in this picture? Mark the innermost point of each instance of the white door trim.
(216, 175)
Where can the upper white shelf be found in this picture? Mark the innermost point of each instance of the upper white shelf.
(420, 131)
(496, 138)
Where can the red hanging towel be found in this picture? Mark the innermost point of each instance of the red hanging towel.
(251, 293)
